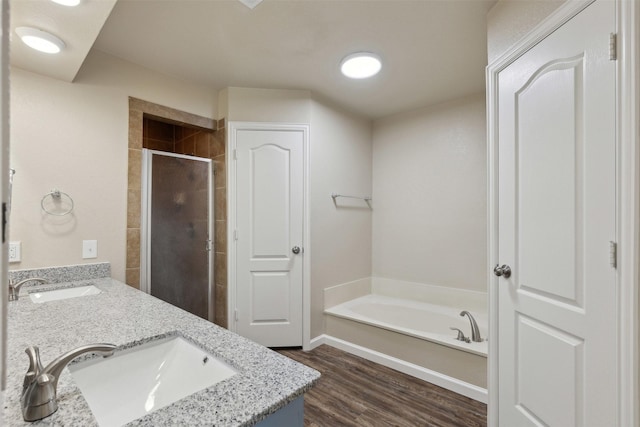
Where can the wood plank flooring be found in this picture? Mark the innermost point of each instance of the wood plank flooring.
(356, 392)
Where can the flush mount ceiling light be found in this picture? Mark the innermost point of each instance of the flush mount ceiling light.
(251, 3)
(361, 65)
(67, 2)
(40, 40)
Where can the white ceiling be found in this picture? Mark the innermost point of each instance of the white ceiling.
(433, 50)
(78, 27)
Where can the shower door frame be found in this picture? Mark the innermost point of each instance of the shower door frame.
(145, 223)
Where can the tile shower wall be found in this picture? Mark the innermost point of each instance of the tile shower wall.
(217, 153)
(158, 135)
(148, 129)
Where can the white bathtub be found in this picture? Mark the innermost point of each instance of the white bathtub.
(422, 320)
(405, 326)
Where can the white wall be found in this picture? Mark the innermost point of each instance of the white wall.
(266, 105)
(341, 161)
(429, 195)
(74, 137)
(510, 20)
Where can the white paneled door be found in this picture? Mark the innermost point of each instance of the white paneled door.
(269, 247)
(557, 315)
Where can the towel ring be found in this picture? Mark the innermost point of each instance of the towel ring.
(56, 195)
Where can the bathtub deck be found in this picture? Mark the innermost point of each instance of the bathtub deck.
(356, 392)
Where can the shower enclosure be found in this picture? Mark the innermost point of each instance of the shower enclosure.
(176, 231)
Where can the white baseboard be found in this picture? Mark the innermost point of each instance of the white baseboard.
(461, 387)
(317, 342)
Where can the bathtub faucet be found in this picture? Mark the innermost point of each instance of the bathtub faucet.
(461, 336)
(475, 331)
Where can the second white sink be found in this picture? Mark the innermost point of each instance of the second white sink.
(65, 293)
(134, 382)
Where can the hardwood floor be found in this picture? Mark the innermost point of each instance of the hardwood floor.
(356, 392)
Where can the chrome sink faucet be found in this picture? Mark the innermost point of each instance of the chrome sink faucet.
(14, 288)
(39, 389)
(475, 331)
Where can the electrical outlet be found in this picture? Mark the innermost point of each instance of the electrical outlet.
(15, 251)
(89, 249)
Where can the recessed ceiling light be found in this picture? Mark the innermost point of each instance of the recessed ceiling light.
(361, 65)
(67, 2)
(40, 40)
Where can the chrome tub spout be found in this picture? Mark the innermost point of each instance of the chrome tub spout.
(475, 331)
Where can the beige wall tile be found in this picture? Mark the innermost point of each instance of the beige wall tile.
(220, 317)
(172, 114)
(133, 277)
(217, 143)
(221, 236)
(155, 144)
(220, 307)
(189, 146)
(202, 144)
(188, 131)
(135, 167)
(160, 131)
(133, 248)
(221, 269)
(179, 147)
(220, 204)
(133, 207)
(135, 129)
(221, 172)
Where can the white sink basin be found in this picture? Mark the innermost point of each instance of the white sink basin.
(58, 294)
(136, 381)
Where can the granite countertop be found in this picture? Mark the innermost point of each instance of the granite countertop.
(121, 315)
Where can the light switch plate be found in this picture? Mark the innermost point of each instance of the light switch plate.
(89, 249)
(15, 251)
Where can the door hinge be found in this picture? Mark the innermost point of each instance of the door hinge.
(613, 254)
(235, 154)
(235, 234)
(5, 218)
(235, 314)
(613, 47)
(207, 245)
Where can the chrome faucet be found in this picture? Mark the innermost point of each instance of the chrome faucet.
(14, 288)
(39, 388)
(475, 331)
(460, 336)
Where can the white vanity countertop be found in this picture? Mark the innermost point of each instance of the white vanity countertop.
(121, 315)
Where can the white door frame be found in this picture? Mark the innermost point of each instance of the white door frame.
(627, 198)
(232, 130)
(5, 192)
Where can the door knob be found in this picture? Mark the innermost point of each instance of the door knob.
(503, 270)
(295, 250)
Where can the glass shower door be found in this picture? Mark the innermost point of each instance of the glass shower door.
(178, 227)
